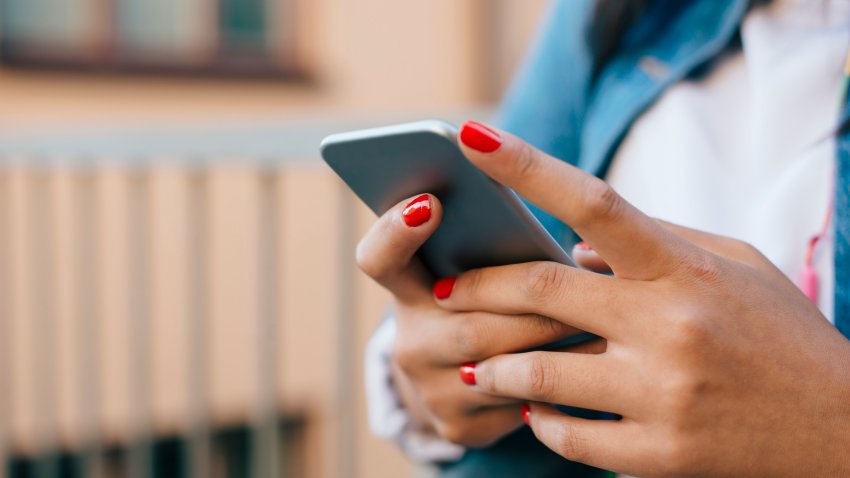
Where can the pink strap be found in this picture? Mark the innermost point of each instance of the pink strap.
(809, 283)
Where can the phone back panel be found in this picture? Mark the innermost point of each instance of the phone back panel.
(484, 223)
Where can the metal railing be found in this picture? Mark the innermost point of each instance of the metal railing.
(193, 287)
(79, 334)
(144, 296)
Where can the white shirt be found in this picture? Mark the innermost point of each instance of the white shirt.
(745, 152)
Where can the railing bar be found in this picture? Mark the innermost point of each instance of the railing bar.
(200, 446)
(42, 345)
(140, 345)
(5, 314)
(265, 454)
(87, 278)
(346, 333)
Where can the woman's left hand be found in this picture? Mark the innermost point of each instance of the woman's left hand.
(716, 362)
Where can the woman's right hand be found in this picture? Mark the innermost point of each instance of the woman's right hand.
(431, 343)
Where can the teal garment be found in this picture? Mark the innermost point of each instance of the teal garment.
(557, 106)
(841, 223)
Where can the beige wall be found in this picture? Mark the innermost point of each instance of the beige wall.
(367, 57)
(74, 235)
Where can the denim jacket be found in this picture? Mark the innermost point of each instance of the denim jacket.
(558, 106)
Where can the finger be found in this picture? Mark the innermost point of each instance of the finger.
(588, 259)
(447, 395)
(441, 396)
(606, 444)
(474, 336)
(592, 302)
(481, 429)
(577, 380)
(457, 412)
(634, 245)
(386, 252)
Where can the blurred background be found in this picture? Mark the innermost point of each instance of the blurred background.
(178, 294)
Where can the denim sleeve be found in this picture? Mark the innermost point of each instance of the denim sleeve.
(546, 103)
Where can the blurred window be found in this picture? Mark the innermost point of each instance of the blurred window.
(243, 24)
(242, 37)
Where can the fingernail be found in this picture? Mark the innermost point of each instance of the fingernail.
(584, 246)
(479, 137)
(525, 412)
(443, 287)
(467, 373)
(418, 211)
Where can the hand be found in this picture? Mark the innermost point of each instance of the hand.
(431, 343)
(717, 364)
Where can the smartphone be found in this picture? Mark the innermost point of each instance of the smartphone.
(484, 223)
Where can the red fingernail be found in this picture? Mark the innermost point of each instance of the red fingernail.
(584, 246)
(479, 137)
(467, 373)
(418, 211)
(525, 412)
(443, 287)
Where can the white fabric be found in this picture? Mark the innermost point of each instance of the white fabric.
(387, 417)
(744, 152)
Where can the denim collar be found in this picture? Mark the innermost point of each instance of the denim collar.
(636, 77)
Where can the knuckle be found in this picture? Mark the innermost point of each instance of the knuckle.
(683, 393)
(601, 202)
(750, 250)
(571, 443)
(704, 268)
(454, 434)
(441, 406)
(751, 254)
(471, 283)
(407, 354)
(459, 433)
(689, 327)
(487, 379)
(542, 377)
(543, 281)
(471, 337)
(739, 248)
(525, 160)
(549, 327)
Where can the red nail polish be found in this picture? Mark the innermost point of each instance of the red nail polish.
(525, 412)
(584, 246)
(479, 137)
(418, 211)
(443, 287)
(467, 373)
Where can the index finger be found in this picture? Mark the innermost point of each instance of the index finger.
(633, 244)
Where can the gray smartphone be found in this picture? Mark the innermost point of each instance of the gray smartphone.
(484, 223)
